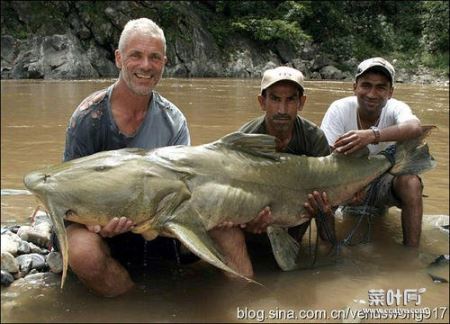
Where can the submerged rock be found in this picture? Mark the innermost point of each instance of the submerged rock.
(7, 278)
(438, 269)
(39, 279)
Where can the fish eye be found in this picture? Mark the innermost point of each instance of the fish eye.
(46, 176)
(102, 168)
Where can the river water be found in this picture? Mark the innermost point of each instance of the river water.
(34, 116)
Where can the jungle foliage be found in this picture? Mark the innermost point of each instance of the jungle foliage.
(414, 32)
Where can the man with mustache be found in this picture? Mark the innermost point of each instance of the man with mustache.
(281, 97)
(129, 113)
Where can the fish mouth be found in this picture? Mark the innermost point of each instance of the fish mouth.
(32, 180)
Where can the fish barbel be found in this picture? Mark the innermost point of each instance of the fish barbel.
(184, 191)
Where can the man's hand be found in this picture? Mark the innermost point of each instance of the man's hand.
(257, 225)
(317, 202)
(115, 227)
(354, 140)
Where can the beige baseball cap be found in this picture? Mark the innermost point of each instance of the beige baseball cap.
(376, 63)
(281, 73)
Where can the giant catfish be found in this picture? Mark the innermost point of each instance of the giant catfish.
(184, 191)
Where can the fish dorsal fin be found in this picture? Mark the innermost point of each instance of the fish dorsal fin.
(255, 144)
(364, 152)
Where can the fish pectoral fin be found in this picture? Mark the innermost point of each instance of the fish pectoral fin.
(195, 237)
(146, 229)
(284, 247)
(438, 269)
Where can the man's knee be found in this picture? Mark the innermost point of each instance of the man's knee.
(228, 238)
(409, 186)
(87, 252)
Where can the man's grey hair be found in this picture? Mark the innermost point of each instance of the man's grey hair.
(143, 26)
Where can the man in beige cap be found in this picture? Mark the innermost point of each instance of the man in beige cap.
(282, 96)
(374, 119)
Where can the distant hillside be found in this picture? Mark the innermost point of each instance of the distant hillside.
(324, 39)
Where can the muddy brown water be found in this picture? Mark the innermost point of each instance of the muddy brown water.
(34, 116)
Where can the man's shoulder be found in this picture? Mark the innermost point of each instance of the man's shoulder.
(165, 104)
(92, 108)
(306, 123)
(393, 103)
(346, 102)
(340, 109)
(309, 127)
(253, 126)
(93, 100)
(167, 107)
(310, 138)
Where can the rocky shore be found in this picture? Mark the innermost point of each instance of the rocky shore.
(26, 251)
(61, 56)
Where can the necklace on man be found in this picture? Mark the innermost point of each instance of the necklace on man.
(360, 125)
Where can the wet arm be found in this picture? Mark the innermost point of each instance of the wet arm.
(357, 139)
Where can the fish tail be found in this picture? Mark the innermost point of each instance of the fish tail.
(412, 156)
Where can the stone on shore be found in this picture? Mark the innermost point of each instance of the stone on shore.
(39, 235)
(31, 261)
(54, 262)
(9, 262)
(10, 242)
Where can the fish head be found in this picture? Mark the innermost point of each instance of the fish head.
(103, 183)
(94, 189)
(89, 188)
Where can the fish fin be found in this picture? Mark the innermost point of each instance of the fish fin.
(195, 237)
(284, 247)
(413, 156)
(438, 269)
(57, 218)
(437, 279)
(255, 144)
